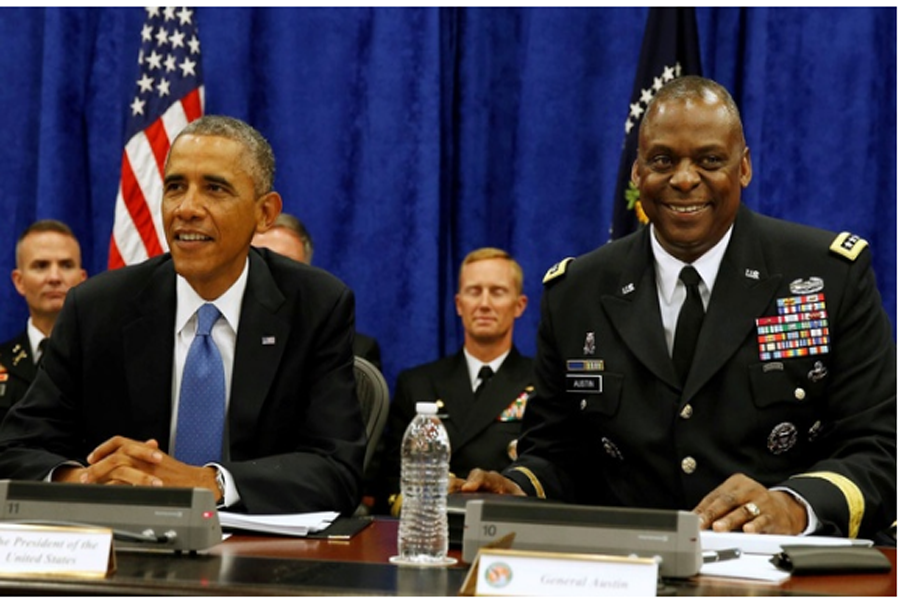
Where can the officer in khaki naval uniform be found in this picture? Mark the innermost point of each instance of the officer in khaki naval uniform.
(786, 421)
(48, 263)
(482, 412)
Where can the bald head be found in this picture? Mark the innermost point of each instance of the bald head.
(689, 90)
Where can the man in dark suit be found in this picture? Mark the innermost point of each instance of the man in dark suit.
(784, 419)
(48, 264)
(279, 410)
(482, 411)
(290, 237)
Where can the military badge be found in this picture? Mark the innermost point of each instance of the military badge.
(818, 372)
(815, 430)
(848, 245)
(590, 344)
(782, 438)
(584, 365)
(800, 329)
(611, 449)
(516, 409)
(557, 270)
(804, 287)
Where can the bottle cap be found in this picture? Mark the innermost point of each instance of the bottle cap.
(426, 408)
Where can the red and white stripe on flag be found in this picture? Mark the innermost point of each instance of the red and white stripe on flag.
(169, 95)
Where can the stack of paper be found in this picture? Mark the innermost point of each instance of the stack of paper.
(298, 524)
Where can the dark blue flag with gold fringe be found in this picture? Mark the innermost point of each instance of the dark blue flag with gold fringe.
(670, 49)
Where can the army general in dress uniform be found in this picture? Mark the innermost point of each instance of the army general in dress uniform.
(785, 420)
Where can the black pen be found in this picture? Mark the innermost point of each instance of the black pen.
(710, 556)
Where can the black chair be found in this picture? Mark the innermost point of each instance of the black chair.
(374, 398)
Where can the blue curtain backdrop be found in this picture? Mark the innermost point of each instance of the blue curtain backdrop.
(407, 137)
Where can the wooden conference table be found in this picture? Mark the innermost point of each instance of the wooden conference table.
(257, 565)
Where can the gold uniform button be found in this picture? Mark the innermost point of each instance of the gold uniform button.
(688, 465)
(800, 394)
(687, 412)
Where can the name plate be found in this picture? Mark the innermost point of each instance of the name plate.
(500, 572)
(51, 550)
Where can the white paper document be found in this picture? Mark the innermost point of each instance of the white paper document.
(749, 566)
(298, 524)
(760, 543)
(757, 551)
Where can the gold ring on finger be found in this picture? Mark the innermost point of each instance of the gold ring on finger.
(752, 509)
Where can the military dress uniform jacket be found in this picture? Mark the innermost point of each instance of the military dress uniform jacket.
(17, 371)
(295, 434)
(480, 432)
(611, 425)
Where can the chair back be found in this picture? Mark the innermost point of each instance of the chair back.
(374, 398)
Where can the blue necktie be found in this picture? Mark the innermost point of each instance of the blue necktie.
(201, 408)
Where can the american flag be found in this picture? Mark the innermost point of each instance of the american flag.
(168, 95)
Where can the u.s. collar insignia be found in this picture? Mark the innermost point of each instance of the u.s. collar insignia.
(590, 345)
(751, 273)
(627, 289)
(802, 287)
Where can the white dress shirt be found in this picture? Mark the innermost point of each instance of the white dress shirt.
(475, 366)
(224, 334)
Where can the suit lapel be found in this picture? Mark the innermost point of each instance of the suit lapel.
(502, 389)
(744, 288)
(634, 311)
(454, 389)
(20, 362)
(148, 342)
(254, 370)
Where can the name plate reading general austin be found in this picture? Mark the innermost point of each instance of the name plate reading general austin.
(525, 573)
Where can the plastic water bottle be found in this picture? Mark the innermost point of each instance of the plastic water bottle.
(424, 476)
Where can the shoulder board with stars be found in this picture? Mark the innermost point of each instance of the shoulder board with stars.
(557, 270)
(848, 245)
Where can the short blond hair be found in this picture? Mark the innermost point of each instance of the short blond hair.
(489, 253)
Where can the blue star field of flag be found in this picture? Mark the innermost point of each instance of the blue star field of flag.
(169, 62)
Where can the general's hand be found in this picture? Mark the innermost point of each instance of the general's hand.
(489, 481)
(742, 503)
(120, 460)
(454, 484)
